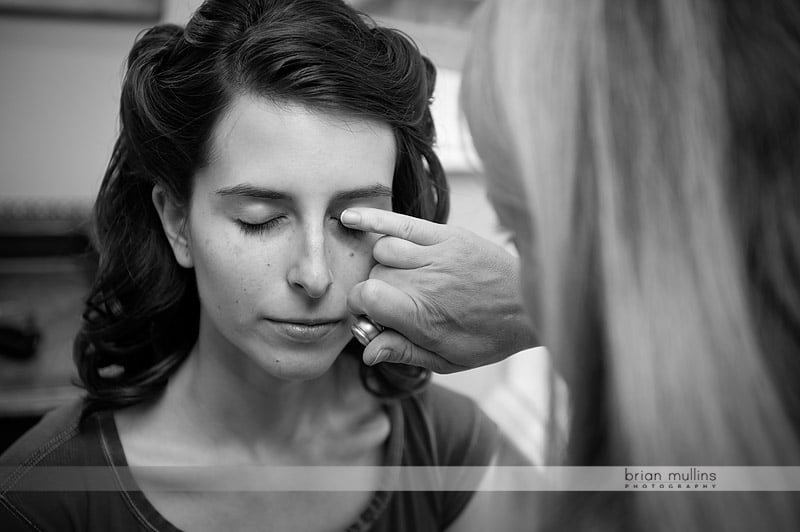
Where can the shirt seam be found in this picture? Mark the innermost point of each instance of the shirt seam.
(19, 514)
(40, 454)
(123, 492)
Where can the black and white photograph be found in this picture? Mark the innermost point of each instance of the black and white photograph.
(399, 265)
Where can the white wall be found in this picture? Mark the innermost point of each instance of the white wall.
(59, 90)
(59, 85)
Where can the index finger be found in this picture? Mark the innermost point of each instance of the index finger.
(416, 230)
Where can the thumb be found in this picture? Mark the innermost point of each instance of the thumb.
(391, 346)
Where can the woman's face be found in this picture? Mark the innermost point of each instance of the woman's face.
(273, 263)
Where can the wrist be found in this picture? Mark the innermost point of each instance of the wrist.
(526, 335)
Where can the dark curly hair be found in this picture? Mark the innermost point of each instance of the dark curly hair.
(142, 313)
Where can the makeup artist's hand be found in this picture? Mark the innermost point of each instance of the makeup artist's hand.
(448, 298)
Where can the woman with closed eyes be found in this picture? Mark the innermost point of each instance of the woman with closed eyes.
(217, 333)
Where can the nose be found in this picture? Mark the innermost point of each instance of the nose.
(311, 271)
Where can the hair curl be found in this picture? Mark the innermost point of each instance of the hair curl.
(142, 313)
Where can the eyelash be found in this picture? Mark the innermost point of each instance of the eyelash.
(353, 233)
(259, 229)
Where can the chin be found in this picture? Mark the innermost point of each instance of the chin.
(299, 365)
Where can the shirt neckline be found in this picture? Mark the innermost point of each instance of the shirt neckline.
(151, 518)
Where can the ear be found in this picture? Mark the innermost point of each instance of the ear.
(174, 221)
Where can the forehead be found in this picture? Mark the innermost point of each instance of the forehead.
(262, 141)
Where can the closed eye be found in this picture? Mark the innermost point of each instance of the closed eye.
(259, 228)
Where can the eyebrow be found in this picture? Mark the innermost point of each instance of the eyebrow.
(251, 191)
(372, 191)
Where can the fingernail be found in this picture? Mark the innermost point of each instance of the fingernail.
(349, 217)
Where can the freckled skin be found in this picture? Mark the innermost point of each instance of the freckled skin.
(303, 265)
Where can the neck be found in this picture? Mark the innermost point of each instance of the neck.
(244, 403)
(220, 409)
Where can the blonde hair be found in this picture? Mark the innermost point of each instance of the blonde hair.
(622, 119)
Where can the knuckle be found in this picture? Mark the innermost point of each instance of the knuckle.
(405, 355)
(406, 229)
(372, 350)
(367, 220)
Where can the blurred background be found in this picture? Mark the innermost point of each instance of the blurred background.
(61, 64)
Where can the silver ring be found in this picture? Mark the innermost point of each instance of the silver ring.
(365, 330)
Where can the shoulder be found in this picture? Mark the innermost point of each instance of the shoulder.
(43, 474)
(444, 427)
(53, 431)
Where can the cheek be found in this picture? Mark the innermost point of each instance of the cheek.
(232, 268)
(354, 260)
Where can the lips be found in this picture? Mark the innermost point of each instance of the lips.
(304, 331)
